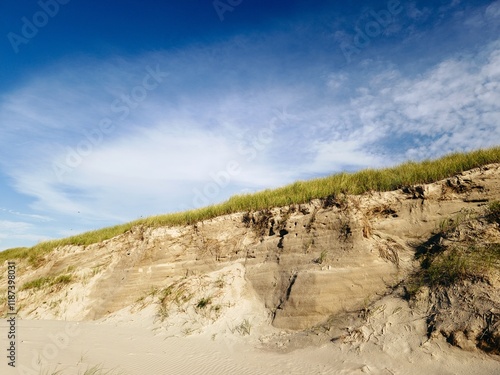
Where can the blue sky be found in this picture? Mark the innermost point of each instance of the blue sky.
(116, 110)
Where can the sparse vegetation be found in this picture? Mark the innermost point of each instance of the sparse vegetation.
(407, 174)
(322, 257)
(202, 296)
(308, 245)
(470, 258)
(99, 370)
(310, 224)
(177, 292)
(220, 282)
(95, 370)
(62, 279)
(36, 284)
(51, 372)
(244, 328)
(449, 268)
(449, 224)
(204, 302)
(141, 301)
(494, 211)
(48, 281)
(96, 270)
(390, 251)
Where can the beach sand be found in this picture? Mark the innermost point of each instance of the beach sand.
(135, 345)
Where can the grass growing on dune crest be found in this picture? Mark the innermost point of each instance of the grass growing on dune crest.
(409, 173)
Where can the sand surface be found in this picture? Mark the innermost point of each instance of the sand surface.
(46, 346)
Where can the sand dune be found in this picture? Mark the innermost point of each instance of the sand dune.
(313, 289)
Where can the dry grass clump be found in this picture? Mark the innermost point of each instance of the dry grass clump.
(494, 211)
(94, 370)
(244, 328)
(176, 293)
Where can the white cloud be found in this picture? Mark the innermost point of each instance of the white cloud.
(493, 10)
(452, 106)
(39, 218)
(458, 100)
(205, 115)
(335, 81)
(17, 233)
(14, 226)
(169, 145)
(178, 149)
(337, 155)
(415, 13)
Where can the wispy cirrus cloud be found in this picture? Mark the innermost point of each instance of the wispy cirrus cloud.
(27, 216)
(14, 232)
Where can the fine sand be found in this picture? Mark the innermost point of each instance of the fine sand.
(392, 341)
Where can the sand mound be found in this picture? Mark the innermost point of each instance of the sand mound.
(356, 277)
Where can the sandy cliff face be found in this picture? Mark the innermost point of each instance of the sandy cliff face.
(302, 263)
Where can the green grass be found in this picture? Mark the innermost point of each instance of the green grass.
(470, 259)
(204, 302)
(48, 281)
(409, 173)
(322, 257)
(475, 262)
(449, 224)
(176, 293)
(460, 264)
(448, 269)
